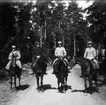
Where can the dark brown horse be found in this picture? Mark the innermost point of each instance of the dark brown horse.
(15, 72)
(62, 74)
(88, 71)
(38, 68)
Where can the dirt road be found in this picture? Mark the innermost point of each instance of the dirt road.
(73, 96)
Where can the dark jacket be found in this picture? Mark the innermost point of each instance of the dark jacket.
(37, 51)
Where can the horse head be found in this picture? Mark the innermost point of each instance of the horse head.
(45, 57)
(13, 62)
(60, 65)
(76, 60)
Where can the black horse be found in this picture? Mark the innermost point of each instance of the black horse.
(62, 73)
(38, 68)
(15, 72)
(88, 71)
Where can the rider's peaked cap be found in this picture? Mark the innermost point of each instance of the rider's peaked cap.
(13, 46)
(37, 43)
(89, 42)
(59, 42)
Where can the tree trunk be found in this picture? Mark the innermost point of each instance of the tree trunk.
(41, 36)
(74, 46)
(45, 29)
(63, 40)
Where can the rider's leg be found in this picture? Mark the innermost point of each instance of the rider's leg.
(55, 61)
(32, 65)
(8, 65)
(66, 61)
(45, 67)
(54, 70)
(33, 60)
(68, 67)
(96, 63)
(19, 64)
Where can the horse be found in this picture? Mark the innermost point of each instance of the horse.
(15, 72)
(62, 73)
(88, 71)
(38, 68)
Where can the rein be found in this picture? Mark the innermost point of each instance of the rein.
(35, 61)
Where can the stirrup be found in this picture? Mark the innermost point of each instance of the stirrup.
(45, 73)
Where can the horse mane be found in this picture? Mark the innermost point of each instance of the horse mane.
(83, 61)
(39, 64)
(60, 64)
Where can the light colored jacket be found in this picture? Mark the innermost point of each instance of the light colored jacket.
(14, 53)
(60, 51)
(90, 53)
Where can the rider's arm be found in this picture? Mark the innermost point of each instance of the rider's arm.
(64, 52)
(85, 53)
(18, 55)
(10, 56)
(56, 52)
(94, 53)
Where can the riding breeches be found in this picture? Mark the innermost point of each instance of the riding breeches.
(18, 63)
(96, 63)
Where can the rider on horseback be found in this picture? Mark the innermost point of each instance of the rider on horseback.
(90, 53)
(14, 54)
(37, 51)
(60, 52)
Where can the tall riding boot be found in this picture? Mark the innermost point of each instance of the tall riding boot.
(68, 68)
(54, 70)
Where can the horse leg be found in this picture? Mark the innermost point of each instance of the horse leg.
(91, 85)
(58, 84)
(95, 78)
(64, 84)
(96, 84)
(15, 81)
(19, 80)
(11, 82)
(37, 79)
(20, 77)
(42, 82)
(85, 82)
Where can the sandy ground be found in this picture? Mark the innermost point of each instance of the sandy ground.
(28, 95)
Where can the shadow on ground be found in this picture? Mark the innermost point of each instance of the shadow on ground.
(68, 87)
(65, 87)
(47, 87)
(89, 90)
(22, 87)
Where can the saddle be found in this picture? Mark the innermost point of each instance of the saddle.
(62, 60)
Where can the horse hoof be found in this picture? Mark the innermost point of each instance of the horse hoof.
(64, 91)
(85, 94)
(42, 89)
(38, 90)
(97, 90)
(92, 94)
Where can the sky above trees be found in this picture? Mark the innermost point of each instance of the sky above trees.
(81, 3)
